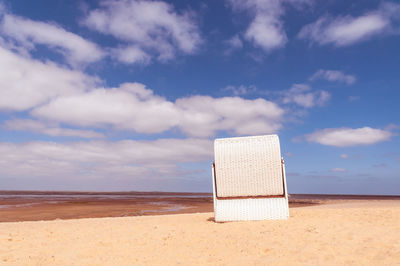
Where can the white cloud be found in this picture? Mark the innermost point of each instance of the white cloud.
(60, 95)
(100, 159)
(240, 90)
(338, 170)
(25, 82)
(347, 30)
(233, 44)
(334, 75)
(304, 96)
(344, 156)
(51, 130)
(134, 107)
(343, 137)
(266, 32)
(131, 55)
(130, 106)
(392, 127)
(266, 27)
(204, 115)
(28, 33)
(147, 27)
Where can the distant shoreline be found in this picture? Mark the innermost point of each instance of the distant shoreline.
(69, 192)
(205, 194)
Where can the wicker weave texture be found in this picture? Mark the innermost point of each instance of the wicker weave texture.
(251, 209)
(248, 166)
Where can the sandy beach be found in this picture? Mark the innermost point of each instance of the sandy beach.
(347, 232)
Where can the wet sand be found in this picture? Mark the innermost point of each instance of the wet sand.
(36, 206)
(342, 232)
(41, 205)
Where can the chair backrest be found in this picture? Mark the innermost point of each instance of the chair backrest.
(248, 166)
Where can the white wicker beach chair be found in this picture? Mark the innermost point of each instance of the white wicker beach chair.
(249, 181)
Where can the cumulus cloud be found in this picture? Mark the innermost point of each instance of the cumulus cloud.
(266, 27)
(28, 33)
(204, 115)
(51, 130)
(131, 55)
(25, 82)
(334, 75)
(132, 106)
(347, 30)
(302, 95)
(148, 28)
(344, 137)
(101, 159)
(61, 95)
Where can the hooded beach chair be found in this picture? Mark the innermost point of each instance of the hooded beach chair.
(249, 181)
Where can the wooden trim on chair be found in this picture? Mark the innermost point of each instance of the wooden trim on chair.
(283, 177)
(250, 197)
(215, 180)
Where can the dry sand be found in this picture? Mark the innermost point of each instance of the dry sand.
(346, 233)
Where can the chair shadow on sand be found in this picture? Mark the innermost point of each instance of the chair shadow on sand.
(211, 219)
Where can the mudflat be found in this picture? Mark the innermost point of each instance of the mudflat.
(16, 206)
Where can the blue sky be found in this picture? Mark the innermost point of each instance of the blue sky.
(129, 95)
